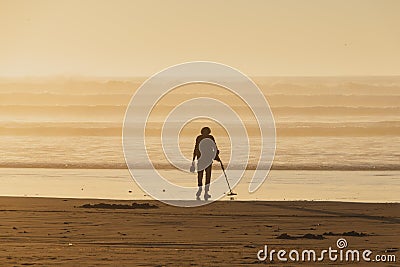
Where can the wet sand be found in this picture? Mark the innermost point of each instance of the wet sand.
(48, 232)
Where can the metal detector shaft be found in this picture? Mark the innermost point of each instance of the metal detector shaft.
(226, 177)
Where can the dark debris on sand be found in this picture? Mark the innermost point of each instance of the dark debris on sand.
(306, 236)
(119, 206)
(313, 236)
(351, 233)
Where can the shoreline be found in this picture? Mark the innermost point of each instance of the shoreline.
(122, 166)
(367, 187)
(209, 202)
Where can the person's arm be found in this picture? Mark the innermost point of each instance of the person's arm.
(196, 148)
(216, 147)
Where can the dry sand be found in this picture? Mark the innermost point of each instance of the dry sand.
(48, 232)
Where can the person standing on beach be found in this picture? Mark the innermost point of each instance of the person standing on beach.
(206, 151)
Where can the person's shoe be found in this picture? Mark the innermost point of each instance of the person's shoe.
(198, 193)
(206, 189)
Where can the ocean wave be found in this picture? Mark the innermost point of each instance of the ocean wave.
(46, 99)
(82, 110)
(288, 85)
(380, 128)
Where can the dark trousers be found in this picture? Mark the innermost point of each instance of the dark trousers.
(200, 176)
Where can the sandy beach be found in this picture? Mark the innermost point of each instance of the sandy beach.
(104, 107)
(54, 231)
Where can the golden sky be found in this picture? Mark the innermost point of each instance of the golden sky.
(139, 38)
